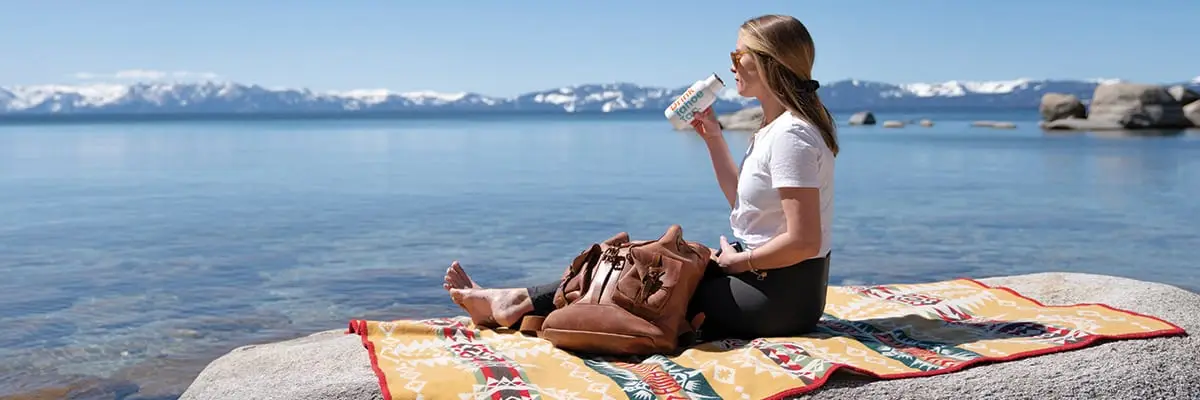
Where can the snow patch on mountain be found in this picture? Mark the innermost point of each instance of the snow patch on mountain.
(96, 95)
(219, 97)
(962, 88)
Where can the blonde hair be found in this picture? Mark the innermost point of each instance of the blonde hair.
(784, 52)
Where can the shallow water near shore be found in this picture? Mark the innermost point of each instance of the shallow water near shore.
(135, 253)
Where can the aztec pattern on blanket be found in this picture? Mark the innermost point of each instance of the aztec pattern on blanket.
(886, 331)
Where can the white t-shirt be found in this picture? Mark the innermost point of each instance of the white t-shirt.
(788, 152)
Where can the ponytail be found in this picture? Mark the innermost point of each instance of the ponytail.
(800, 96)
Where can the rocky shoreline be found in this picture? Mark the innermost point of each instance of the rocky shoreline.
(1113, 106)
(334, 365)
(1123, 106)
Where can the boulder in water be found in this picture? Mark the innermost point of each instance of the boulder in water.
(746, 119)
(926, 123)
(1056, 106)
(862, 118)
(1136, 106)
(893, 124)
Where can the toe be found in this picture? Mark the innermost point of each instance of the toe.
(458, 277)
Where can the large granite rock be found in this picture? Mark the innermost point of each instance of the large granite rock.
(335, 366)
(327, 365)
(862, 118)
(746, 119)
(1136, 106)
(1056, 106)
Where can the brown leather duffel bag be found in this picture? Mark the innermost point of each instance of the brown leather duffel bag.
(622, 297)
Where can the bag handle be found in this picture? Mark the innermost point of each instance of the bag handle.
(531, 325)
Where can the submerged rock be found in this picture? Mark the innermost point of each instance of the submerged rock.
(994, 124)
(334, 365)
(1077, 124)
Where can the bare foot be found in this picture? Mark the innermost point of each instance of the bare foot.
(457, 278)
(493, 307)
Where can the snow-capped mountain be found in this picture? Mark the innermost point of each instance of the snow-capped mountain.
(228, 97)
(1017, 93)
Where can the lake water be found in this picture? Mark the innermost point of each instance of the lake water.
(134, 253)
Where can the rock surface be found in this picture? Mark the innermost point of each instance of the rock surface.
(1192, 113)
(862, 118)
(1183, 95)
(326, 365)
(333, 365)
(1056, 106)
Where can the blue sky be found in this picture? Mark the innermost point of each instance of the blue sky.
(507, 47)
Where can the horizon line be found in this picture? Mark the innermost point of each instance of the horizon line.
(301, 88)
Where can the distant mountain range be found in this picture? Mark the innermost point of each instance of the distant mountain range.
(228, 97)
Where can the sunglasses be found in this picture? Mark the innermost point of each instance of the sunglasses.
(736, 56)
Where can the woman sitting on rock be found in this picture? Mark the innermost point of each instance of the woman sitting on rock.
(781, 200)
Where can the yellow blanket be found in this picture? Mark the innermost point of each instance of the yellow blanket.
(886, 331)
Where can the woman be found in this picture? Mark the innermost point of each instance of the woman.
(781, 200)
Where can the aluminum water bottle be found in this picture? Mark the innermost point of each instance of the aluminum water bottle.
(695, 99)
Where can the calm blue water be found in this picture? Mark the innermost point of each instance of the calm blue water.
(132, 254)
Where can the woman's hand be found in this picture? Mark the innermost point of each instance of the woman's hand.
(705, 123)
(731, 261)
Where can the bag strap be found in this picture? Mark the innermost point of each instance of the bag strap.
(690, 334)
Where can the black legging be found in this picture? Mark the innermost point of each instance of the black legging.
(787, 302)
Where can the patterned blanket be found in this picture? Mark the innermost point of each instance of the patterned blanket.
(885, 331)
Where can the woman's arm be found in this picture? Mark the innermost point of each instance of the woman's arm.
(709, 128)
(723, 165)
(801, 240)
(794, 166)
